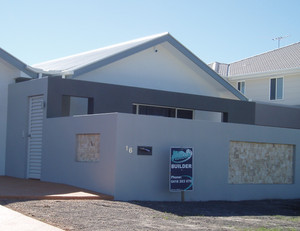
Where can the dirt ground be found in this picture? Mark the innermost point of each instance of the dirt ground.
(94, 215)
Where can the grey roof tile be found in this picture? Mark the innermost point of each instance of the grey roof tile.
(283, 58)
(220, 68)
(223, 69)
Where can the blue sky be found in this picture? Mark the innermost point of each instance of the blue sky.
(215, 30)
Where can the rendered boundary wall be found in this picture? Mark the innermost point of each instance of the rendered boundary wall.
(66, 139)
(127, 176)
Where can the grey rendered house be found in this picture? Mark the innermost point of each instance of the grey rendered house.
(87, 118)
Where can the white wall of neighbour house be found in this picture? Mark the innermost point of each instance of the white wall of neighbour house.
(7, 75)
(258, 89)
(291, 86)
(255, 89)
(167, 69)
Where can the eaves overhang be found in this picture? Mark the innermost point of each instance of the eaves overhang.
(206, 68)
(17, 63)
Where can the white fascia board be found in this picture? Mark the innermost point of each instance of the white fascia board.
(120, 55)
(16, 63)
(266, 74)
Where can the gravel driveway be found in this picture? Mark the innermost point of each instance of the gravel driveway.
(93, 215)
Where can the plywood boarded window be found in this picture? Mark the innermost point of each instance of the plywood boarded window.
(261, 163)
(88, 147)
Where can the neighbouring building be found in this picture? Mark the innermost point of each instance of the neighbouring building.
(83, 120)
(272, 77)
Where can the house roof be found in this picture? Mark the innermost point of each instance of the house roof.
(7, 57)
(85, 62)
(81, 60)
(287, 57)
(220, 68)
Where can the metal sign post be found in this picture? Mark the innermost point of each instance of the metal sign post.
(182, 196)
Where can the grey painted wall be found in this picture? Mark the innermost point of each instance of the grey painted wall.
(147, 176)
(115, 98)
(277, 115)
(17, 124)
(129, 176)
(59, 152)
(7, 75)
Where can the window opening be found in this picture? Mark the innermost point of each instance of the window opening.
(157, 111)
(142, 109)
(72, 105)
(276, 88)
(184, 114)
(241, 86)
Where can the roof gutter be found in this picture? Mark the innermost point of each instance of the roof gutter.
(266, 74)
(42, 73)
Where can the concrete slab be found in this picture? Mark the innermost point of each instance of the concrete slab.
(14, 221)
(16, 188)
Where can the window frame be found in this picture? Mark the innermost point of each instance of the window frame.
(275, 89)
(243, 85)
(136, 110)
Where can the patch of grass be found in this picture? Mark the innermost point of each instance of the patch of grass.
(166, 216)
(269, 229)
(293, 219)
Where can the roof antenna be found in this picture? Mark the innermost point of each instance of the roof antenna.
(279, 38)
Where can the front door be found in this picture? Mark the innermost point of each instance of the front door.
(35, 136)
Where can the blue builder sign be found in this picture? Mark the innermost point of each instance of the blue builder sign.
(181, 169)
